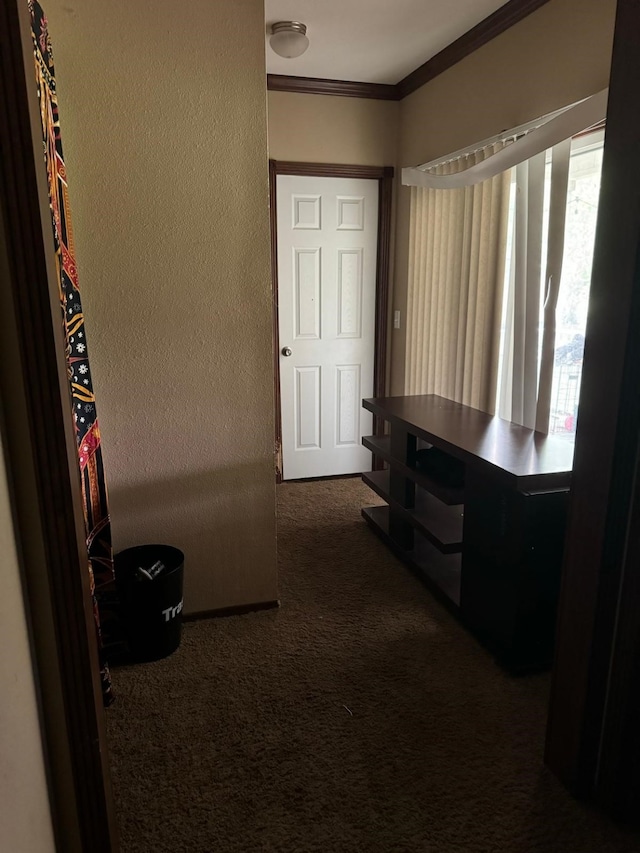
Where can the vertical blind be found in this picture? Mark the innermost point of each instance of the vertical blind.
(527, 363)
(560, 157)
(457, 332)
(457, 257)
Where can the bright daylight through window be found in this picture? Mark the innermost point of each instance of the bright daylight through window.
(571, 314)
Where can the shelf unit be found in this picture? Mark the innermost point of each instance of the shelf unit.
(439, 522)
(440, 571)
(381, 447)
(491, 550)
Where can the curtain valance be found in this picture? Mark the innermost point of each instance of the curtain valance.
(545, 133)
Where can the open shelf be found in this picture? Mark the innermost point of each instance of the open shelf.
(509, 543)
(380, 446)
(440, 571)
(379, 482)
(439, 522)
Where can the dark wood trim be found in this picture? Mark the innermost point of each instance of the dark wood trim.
(273, 218)
(618, 776)
(384, 175)
(331, 170)
(494, 25)
(385, 191)
(45, 483)
(500, 21)
(238, 610)
(592, 736)
(342, 88)
(382, 296)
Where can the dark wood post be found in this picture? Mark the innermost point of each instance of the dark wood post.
(39, 439)
(592, 735)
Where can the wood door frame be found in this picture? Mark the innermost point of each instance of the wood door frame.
(44, 479)
(593, 741)
(384, 176)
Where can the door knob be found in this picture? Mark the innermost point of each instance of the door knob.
(287, 351)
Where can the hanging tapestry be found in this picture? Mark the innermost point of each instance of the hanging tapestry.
(94, 492)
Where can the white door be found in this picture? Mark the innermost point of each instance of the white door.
(327, 247)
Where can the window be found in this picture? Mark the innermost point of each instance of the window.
(571, 314)
(500, 253)
(583, 191)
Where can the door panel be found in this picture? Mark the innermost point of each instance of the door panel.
(307, 407)
(327, 232)
(307, 293)
(349, 293)
(348, 404)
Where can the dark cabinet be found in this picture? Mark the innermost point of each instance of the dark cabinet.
(492, 547)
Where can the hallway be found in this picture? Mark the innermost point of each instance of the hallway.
(358, 717)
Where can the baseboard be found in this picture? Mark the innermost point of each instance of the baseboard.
(323, 479)
(238, 610)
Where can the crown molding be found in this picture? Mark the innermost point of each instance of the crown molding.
(494, 25)
(344, 88)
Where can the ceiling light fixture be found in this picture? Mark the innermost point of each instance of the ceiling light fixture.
(289, 39)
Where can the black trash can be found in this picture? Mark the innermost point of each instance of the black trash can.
(151, 603)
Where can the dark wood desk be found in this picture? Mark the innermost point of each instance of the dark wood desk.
(492, 548)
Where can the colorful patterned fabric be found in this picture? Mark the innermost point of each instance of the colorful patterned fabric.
(94, 492)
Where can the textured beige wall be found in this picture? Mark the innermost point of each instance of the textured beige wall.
(559, 54)
(163, 112)
(25, 815)
(328, 129)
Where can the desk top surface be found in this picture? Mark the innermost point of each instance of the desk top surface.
(472, 435)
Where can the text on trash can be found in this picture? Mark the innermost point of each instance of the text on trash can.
(171, 612)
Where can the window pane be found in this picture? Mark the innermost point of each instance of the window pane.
(571, 314)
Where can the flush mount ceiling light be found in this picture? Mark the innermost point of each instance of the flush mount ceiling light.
(289, 39)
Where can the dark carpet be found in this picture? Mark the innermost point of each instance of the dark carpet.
(358, 717)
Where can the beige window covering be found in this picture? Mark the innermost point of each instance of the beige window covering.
(561, 156)
(526, 141)
(528, 274)
(457, 260)
(456, 273)
(527, 363)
